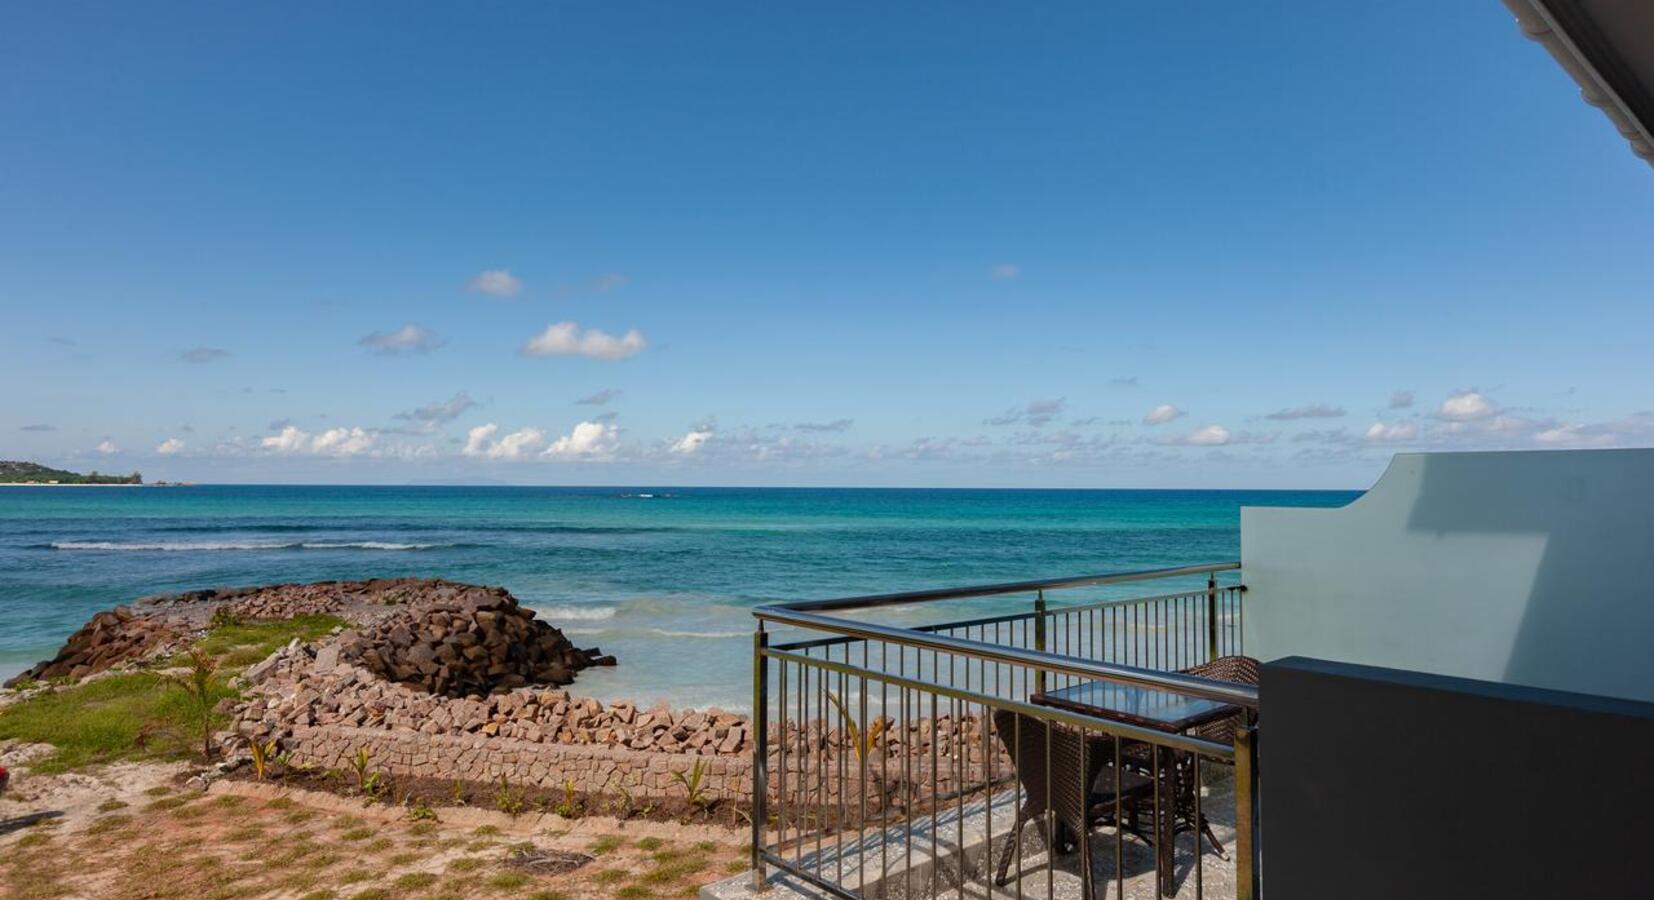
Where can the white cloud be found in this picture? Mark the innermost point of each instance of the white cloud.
(1208, 436)
(1466, 406)
(1162, 414)
(1401, 400)
(169, 446)
(495, 283)
(1392, 432)
(1312, 411)
(477, 439)
(517, 444)
(588, 440)
(1004, 271)
(691, 443)
(343, 442)
(200, 355)
(338, 442)
(107, 447)
(410, 338)
(566, 339)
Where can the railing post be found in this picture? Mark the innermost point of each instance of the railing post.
(1247, 859)
(760, 754)
(1211, 616)
(1039, 638)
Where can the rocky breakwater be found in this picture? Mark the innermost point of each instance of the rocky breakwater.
(110, 637)
(468, 641)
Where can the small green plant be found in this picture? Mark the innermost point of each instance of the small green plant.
(569, 808)
(608, 843)
(197, 685)
(861, 743)
(456, 792)
(506, 800)
(262, 752)
(624, 803)
(224, 617)
(367, 781)
(421, 812)
(693, 785)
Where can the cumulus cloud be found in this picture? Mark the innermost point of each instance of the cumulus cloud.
(600, 398)
(1401, 400)
(691, 443)
(835, 425)
(495, 283)
(517, 444)
(1162, 414)
(588, 441)
(1312, 411)
(200, 355)
(169, 446)
(107, 447)
(38, 426)
(1392, 432)
(439, 412)
(1208, 436)
(410, 338)
(478, 439)
(567, 339)
(1036, 413)
(1004, 271)
(337, 442)
(1466, 406)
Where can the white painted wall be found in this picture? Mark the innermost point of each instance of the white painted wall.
(1532, 568)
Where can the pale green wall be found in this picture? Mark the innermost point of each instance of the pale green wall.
(1531, 568)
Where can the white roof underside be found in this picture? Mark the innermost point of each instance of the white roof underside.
(1608, 47)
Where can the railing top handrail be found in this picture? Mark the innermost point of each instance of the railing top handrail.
(769, 610)
(1191, 685)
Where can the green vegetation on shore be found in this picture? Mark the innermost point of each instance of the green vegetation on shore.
(14, 472)
(143, 715)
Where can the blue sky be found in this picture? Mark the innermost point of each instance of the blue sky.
(1199, 244)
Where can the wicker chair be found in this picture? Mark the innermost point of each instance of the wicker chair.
(1235, 669)
(1055, 769)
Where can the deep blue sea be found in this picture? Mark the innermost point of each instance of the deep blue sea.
(661, 577)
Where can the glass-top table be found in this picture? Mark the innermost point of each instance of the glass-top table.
(1142, 706)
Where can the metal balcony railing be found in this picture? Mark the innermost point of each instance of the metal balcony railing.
(899, 758)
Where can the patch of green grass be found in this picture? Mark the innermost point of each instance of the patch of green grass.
(705, 847)
(650, 843)
(357, 876)
(507, 881)
(413, 881)
(134, 716)
(323, 894)
(32, 839)
(486, 830)
(736, 866)
(282, 803)
(111, 805)
(160, 790)
(245, 833)
(608, 843)
(634, 892)
(476, 846)
(420, 829)
(548, 895)
(465, 864)
(674, 870)
(372, 894)
(357, 834)
(380, 843)
(402, 859)
(108, 824)
(297, 816)
(610, 876)
(240, 644)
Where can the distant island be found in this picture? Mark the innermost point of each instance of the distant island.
(12, 472)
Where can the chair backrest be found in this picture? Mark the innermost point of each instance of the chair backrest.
(1235, 669)
(1053, 758)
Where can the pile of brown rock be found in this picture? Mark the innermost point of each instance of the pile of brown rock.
(310, 685)
(475, 641)
(112, 636)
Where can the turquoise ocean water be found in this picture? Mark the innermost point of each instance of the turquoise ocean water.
(661, 577)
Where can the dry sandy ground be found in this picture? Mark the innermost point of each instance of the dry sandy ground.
(134, 831)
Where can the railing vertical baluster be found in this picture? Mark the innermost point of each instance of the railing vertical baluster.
(1211, 616)
(1246, 812)
(760, 753)
(1039, 638)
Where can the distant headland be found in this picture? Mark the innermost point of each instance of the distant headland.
(13, 472)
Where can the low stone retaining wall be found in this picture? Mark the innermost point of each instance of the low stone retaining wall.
(590, 768)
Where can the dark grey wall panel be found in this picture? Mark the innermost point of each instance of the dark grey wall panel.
(1379, 783)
